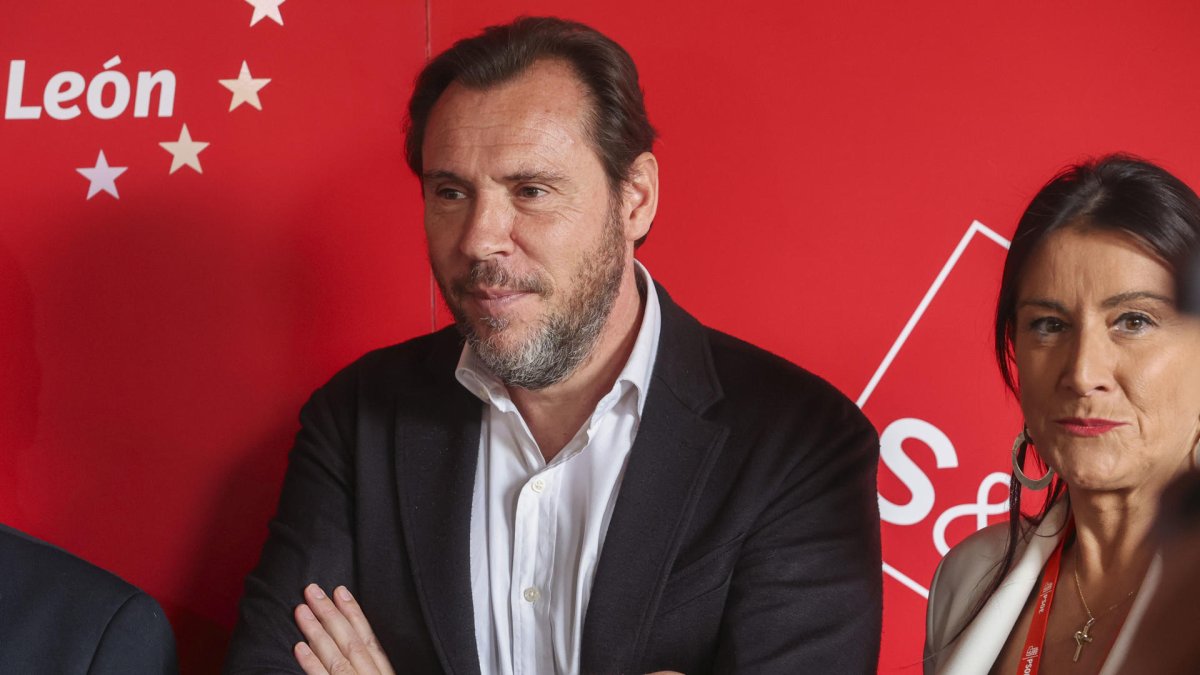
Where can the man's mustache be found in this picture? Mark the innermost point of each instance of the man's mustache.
(493, 275)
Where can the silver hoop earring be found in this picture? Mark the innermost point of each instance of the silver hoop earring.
(1017, 457)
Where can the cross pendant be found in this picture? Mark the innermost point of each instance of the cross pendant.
(1081, 638)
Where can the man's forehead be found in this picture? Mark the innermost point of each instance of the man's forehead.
(554, 78)
(524, 133)
(539, 114)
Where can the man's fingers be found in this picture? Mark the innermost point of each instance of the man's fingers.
(331, 636)
(308, 660)
(318, 643)
(354, 614)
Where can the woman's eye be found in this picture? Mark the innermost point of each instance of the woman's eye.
(1047, 325)
(1134, 322)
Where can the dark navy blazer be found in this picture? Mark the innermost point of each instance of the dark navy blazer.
(745, 537)
(59, 614)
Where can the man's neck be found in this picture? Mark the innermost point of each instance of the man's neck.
(555, 414)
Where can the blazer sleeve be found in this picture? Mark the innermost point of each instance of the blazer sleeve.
(806, 594)
(310, 539)
(137, 639)
(62, 614)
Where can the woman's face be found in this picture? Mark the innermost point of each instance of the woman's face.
(1109, 371)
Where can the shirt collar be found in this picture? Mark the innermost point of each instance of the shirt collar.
(473, 375)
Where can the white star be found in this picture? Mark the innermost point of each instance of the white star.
(244, 88)
(102, 177)
(185, 151)
(266, 8)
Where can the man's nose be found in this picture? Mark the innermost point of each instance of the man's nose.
(489, 228)
(1091, 362)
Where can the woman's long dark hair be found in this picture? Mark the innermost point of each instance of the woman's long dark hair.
(1118, 193)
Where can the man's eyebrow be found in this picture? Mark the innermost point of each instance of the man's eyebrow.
(441, 174)
(520, 176)
(536, 176)
(1122, 298)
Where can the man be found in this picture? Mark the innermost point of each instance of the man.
(60, 614)
(591, 481)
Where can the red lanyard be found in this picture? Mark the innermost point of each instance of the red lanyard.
(1031, 655)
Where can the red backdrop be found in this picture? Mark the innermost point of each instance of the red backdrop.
(838, 182)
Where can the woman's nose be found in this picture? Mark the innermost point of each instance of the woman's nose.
(1090, 362)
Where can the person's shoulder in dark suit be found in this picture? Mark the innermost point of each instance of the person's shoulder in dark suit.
(778, 392)
(60, 614)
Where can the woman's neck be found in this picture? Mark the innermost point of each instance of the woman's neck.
(1113, 527)
(1112, 531)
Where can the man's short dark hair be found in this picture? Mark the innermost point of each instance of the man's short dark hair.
(617, 122)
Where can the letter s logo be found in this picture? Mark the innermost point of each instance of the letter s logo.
(893, 456)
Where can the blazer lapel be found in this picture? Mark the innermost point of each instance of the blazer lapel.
(437, 447)
(668, 466)
(975, 651)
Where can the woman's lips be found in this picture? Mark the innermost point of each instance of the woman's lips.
(1079, 426)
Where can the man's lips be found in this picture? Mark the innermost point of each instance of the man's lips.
(494, 293)
(1092, 426)
(495, 298)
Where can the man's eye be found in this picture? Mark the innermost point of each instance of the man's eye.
(450, 193)
(1047, 325)
(1134, 322)
(531, 192)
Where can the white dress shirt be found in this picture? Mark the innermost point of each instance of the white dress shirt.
(537, 528)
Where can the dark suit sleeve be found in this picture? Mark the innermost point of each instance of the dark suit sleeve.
(310, 538)
(137, 639)
(61, 614)
(806, 593)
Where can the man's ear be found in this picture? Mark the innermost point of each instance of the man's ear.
(640, 196)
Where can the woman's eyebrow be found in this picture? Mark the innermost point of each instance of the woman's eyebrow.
(1122, 298)
(1043, 302)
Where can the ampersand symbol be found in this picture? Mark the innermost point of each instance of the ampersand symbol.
(981, 509)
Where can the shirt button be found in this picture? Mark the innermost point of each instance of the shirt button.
(531, 594)
(538, 486)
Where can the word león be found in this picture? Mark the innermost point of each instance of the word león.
(106, 96)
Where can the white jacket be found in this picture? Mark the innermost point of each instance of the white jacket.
(963, 576)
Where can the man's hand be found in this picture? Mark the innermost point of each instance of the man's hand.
(339, 638)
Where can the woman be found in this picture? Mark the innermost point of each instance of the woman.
(1106, 373)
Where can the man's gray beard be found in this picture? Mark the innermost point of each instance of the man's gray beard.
(564, 338)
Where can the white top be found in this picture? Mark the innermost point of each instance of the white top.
(537, 528)
(962, 577)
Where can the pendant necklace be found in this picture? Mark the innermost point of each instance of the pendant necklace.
(1081, 635)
